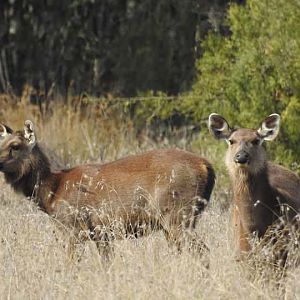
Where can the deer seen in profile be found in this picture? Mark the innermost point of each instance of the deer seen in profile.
(264, 193)
(160, 189)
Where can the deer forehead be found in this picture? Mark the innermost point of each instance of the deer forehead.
(244, 135)
(11, 139)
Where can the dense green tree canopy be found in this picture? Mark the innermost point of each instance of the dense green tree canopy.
(255, 71)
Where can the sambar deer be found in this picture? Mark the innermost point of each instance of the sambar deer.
(261, 189)
(160, 189)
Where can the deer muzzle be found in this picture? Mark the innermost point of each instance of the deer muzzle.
(242, 157)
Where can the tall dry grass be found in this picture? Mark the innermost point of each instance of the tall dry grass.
(33, 255)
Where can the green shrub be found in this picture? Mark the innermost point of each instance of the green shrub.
(254, 72)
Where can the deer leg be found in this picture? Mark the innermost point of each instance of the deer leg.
(105, 246)
(179, 231)
(173, 237)
(241, 234)
(72, 254)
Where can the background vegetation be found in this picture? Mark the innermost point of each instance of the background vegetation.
(255, 71)
(100, 47)
(241, 59)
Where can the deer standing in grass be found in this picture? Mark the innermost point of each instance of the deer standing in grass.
(160, 189)
(261, 189)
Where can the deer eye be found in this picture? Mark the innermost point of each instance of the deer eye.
(231, 142)
(255, 142)
(15, 147)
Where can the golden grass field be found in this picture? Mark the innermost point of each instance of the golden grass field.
(33, 258)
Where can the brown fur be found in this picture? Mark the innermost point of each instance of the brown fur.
(161, 189)
(260, 188)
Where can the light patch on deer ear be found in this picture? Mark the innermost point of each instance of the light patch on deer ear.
(219, 127)
(269, 128)
(4, 131)
(29, 133)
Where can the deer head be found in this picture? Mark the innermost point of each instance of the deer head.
(15, 147)
(245, 146)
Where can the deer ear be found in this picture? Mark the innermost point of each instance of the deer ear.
(4, 131)
(29, 133)
(218, 126)
(270, 127)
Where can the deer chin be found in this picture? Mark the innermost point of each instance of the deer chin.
(242, 166)
(247, 168)
(237, 169)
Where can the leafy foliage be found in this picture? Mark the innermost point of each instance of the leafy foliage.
(255, 71)
(102, 47)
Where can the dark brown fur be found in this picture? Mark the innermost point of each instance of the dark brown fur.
(162, 189)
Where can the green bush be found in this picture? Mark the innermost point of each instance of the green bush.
(254, 72)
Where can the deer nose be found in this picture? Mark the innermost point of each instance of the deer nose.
(242, 157)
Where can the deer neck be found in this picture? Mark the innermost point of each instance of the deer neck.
(35, 179)
(253, 200)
